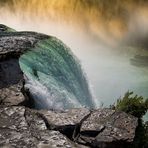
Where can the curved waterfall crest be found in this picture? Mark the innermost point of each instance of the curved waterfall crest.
(54, 76)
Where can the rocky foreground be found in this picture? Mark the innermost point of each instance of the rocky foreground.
(21, 126)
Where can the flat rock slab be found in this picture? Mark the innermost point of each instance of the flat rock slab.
(21, 127)
(67, 121)
(108, 128)
(96, 121)
(67, 117)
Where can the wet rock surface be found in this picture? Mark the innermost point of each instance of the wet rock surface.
(12, 45)
(108, 128)
(23, 127)
(20, 127)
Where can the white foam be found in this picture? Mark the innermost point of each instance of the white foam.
(48, 99)
(43, 98)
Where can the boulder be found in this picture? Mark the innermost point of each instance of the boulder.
(102, 128)
(22, 127)
(12, 45)
(67, 122)
(107, 128)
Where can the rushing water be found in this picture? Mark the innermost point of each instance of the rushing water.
(54, 77)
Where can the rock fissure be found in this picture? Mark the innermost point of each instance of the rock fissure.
(77, 129)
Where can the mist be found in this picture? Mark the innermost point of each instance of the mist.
(104, 35)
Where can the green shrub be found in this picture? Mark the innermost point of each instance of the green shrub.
(134, 105)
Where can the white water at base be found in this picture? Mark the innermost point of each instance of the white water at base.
(44, 98)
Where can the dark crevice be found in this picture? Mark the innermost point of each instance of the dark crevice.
(70, 131)
(77, 129)
(66, 130)
(44, 119)
(91, 133)
(29, 101)
(25, 116)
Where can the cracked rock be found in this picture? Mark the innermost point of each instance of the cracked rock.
(66, 121)
(12, 45)
(20, 127)
(107, 128)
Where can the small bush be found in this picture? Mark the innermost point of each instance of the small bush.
(134, 105)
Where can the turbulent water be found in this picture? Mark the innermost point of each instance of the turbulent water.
(54, 77)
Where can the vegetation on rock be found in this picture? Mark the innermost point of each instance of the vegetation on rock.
(134, 105)
(138, 107)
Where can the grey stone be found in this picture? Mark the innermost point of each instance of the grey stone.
(68, 122)
(108, 128)
(12, 45)
(11, 83)
(67, 117)
(21, 127)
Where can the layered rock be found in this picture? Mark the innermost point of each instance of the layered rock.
(12, 45)
(20, 127)
(108, 128)
(102, 128)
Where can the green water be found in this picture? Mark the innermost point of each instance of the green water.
(55, 77)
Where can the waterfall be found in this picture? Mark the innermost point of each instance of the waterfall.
(54, 76)
(105, 35)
